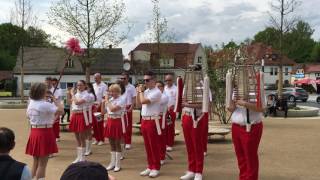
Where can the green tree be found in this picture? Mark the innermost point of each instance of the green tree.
(11, 38)
(315, 54)
(230, 45)
(299, 43)
(269, 36)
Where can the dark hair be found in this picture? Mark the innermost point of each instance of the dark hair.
(160, 82)
(91, 90)
(149, 73)
(83, 82)
(122, 86)
(37, 91)
(125, 74)
(54, 79)
(69, 85)
(85, 170)
(6, 140)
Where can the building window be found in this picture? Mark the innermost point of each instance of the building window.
(70, 63)
(275, 71)
(317, 74)
(26, 86)
(199, 60)
(271, 71)
(167, 63)
(63, 85)
(286, 71)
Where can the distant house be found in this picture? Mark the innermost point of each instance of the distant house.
(306, 70)
(166, 58)
(259, 50)
(42, 62)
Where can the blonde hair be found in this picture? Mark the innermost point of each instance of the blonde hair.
(116, 88)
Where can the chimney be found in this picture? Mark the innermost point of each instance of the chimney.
(110, 46)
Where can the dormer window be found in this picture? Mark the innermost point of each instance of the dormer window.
(70, 63)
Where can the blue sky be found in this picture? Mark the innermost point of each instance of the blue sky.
(206, 21)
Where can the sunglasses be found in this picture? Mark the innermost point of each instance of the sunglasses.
(146, 80)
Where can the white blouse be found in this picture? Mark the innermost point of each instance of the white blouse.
(41, 112)
(119, 101)
(81, 95)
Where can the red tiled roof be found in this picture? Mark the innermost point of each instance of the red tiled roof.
(257, 51)
(5, 75)
(183, 53)
(310, 68)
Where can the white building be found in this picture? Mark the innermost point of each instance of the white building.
(40, 63)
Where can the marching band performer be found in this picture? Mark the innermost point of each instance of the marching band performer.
(100, 89)
(130, 94)
(58, 95)
(91, 108)
(150, 126)
(41, 141)
(171, 90)
(247, 127)
(193, 118)
(79, 123)
(115, 127)
(163, 118)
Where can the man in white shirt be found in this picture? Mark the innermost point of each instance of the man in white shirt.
(170, 90)
(100, 89)
(58, 95)
(150, 126)
(130, 96)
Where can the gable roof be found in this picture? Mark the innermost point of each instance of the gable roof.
(168, 48)
(257, 51)
(40, 60)
(312, 68)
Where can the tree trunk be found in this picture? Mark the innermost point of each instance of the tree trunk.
(87, 74)
(22, 75)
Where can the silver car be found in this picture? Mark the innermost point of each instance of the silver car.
(293, 94)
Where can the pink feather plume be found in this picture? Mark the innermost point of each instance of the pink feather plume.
(73, 46)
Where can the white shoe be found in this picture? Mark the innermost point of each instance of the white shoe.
(82, 157)
(79, 150)
(94, 142)
(146, 172)
(128, 146)
(154, 173)
(198, 176)
(117, 164)
(169, 149)
(162, 162)
(188, 175)
(88, 148)
(100, 143)
(112, 161)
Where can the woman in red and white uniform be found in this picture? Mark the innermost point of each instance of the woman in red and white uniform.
(91, 108)
(79, 124)
(115, 127)
(163, 118)
(41, 141)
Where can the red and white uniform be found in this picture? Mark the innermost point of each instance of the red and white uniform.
(115, 127)
(246, 143)
(150, 127)
(79, 120)
(98, 128)
(56, 124)
(42, 140)
(129, 93)
(163, 118)
(171, 93)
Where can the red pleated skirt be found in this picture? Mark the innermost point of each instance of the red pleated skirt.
(113, 129)
(77, 123)
(42, 142)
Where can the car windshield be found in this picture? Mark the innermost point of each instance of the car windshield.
(300, 90)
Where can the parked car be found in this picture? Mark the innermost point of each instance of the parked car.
(293, 94)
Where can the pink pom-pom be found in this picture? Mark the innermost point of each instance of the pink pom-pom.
(73, 46)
